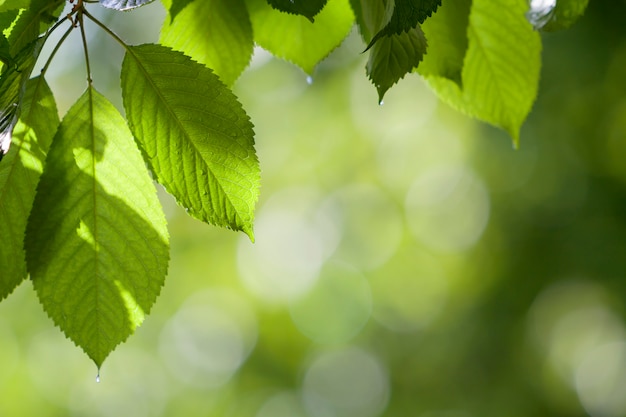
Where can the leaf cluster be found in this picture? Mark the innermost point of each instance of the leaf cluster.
(78, 206)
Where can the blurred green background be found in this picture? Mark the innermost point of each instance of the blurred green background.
(408, 262)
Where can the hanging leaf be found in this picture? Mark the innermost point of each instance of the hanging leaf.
(194, 133)
(500, 74)
(306, 8)
(394, 56)
(124, 4)
(19, 174)
(296, 39)
(226, 20)
(96, 241)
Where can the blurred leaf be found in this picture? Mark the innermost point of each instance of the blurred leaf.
(19, 174)
(5, 51)
(296, 39)
(406, 15)
(306, 8)
(226, 20)
(371, 16)
(96, 241)
(13, 4)
(500, 74)
(394, 56)
(195, 134)
(565, 14)
(446, 32)
(124, 4)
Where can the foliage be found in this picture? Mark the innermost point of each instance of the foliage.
(78, 211)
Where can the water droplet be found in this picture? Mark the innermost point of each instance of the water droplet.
(98, 378)
(380, 103)
(309, 80)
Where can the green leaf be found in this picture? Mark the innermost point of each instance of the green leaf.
(394, 56)
(371, 16)
(19, 174)
(5, 51)
(565, 14)
(306, 8)
(96, 241)
(39, 16)
(12, 82)
(407, 14)
(124, 4)
(446, 32)
(501, 69)
(195, 29)
(194, 133)
(13, 4)
(296, 39)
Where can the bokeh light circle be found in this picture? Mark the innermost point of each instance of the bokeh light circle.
(447, 208)
(346, 383)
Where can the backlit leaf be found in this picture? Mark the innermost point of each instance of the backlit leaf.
(96, 241)
(19, 174)
(501, 68)
(565, 14)
(195, 29)
(296, 39)
(194, 133)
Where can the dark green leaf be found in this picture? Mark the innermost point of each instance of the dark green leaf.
(194, 133)
(406, 16)
(565, 14)
(371, 16)
(196, 28)
(306, 8)
(296, 39)
(5, 51)
(19, 174)
(124, 4)
(394, 56)
(96, 241)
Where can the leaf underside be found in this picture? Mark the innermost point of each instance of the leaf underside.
(96, 241)
(124, 4)
(194, 133)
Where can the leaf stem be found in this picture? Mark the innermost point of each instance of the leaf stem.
(81, 23)
(106, 29)
(56, 49)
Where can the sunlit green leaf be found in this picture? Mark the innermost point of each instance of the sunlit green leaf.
(446, 32)
(175, 6)
(96, 241)
(39, 16)
(371, 16)
(226, 20)
(296, 39)
(306, 8)
(407, 14)
(195, 135)
(394, 56)
(124, 4)
(19, 174)
(501, 68)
